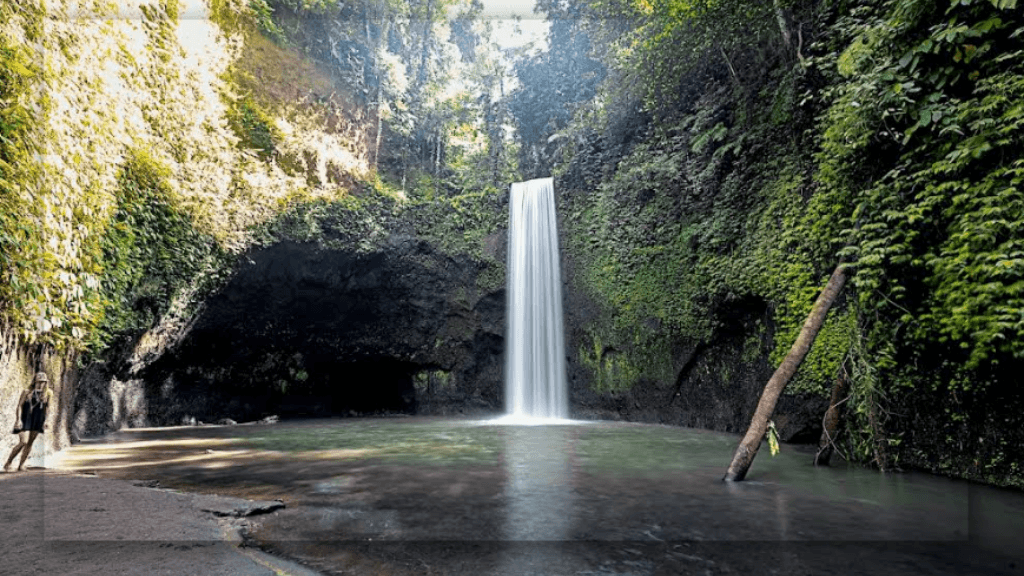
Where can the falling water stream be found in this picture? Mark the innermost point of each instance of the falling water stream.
(535, 383)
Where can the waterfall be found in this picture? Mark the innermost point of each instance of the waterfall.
(535, 382)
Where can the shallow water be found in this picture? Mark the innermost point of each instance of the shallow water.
(576, 498)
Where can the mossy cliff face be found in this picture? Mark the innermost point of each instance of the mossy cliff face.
(149, 153)
(343, 309)
(686, 284)
(706, 203)
(650, 340)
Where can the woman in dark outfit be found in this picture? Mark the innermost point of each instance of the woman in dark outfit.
(31, 418)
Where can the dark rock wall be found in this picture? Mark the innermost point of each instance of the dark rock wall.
(651, 372)
(308, 328)
(716, 385)
(305, 330)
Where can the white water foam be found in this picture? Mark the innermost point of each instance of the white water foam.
(515, 420)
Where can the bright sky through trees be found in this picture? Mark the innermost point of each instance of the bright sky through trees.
(532, 26)
(509, 9)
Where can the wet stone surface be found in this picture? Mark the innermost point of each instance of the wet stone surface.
(430, 496)
(53, 522)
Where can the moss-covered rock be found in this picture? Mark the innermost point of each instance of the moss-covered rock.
(143, 160)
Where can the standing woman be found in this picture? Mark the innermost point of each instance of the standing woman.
(31, 418)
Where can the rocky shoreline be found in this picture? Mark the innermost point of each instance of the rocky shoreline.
(58, 522)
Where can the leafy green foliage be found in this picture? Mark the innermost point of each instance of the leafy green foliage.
(614, 371)
(934, 232)
(676, 246)
(885, 133)
(674, 44)
(254, 128)
(123, 192)
(16, 72)
(263, 12)
(150, 252)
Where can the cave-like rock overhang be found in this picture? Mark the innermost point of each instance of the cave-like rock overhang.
(301, 329)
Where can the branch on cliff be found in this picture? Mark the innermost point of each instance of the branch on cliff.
(687, 368)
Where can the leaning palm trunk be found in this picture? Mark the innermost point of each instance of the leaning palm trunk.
(747, 449)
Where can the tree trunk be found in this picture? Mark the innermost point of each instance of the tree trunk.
(881, 454)
(437, 160)
(428, 26)
(380, 122)
(747, 449)
(732, 70)
(830, 423)
(381, 40)
(780, 16)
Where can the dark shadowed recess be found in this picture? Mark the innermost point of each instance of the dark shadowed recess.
(301, 330)
(716, 383)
